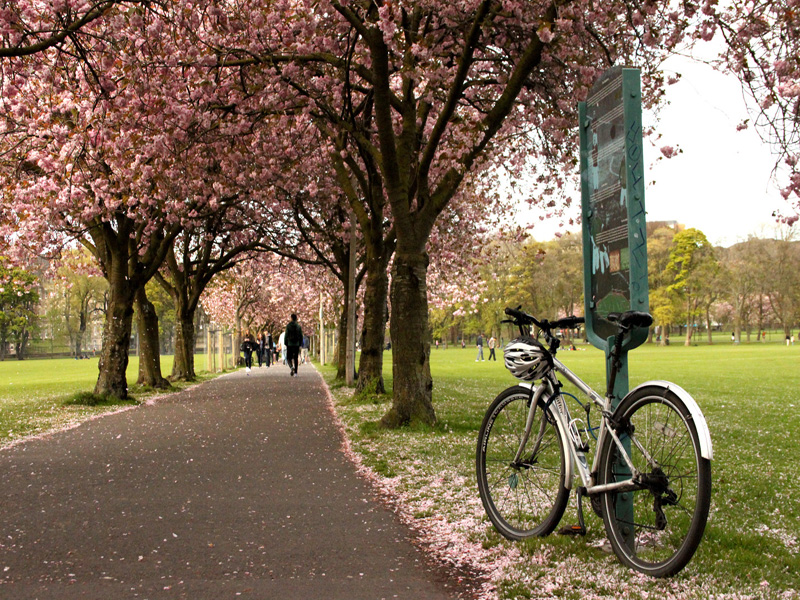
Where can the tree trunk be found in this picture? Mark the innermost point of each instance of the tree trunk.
(22, 345)
(341, 347)
(370, 367)
(116, 339)
(149, 350)
(79, 336)
(237, 341)
(413, 386)
(183, 366)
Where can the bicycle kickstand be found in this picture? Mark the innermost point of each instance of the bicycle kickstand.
(580, 528)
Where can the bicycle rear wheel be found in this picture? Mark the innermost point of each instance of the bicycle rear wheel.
(658, 532)
(525, 498)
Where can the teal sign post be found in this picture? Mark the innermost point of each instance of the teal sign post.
(614, 220)
(612, 196)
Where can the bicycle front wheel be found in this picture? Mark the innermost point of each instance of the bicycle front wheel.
(523, 497)
(656, 529)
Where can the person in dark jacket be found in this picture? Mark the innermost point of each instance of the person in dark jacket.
(261, 348)
(267, 351)
(271, 345)
(248, 346)
(293, 338)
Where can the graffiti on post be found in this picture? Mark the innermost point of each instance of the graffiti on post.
(612, 186)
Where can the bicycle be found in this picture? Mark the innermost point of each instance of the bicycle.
(650, 477)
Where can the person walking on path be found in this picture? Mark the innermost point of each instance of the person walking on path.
(282, 346)
(293, 339)
(492, 346)
(269, 349)
(262, 348)
(479, 344)
(248, 346)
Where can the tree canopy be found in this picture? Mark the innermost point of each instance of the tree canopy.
(169, 137)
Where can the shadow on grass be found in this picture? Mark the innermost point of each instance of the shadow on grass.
(92, 399)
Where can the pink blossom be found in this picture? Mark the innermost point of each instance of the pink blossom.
(668, 151)
(545, 34)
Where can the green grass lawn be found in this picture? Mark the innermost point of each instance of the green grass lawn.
(35, 394)
(750, 395)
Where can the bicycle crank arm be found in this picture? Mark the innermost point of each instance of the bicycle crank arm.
(629, 485)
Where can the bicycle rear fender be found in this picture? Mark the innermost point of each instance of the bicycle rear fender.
(562, 432)
(703, 433)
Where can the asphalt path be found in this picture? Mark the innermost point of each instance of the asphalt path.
(236, 488)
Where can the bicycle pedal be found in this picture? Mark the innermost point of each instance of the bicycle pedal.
(572, 530)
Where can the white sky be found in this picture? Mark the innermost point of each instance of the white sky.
(722, 182)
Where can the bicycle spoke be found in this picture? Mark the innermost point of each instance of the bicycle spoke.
(662, 529)
(525, 498)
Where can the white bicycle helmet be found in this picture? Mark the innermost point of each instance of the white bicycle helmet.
(526, 358)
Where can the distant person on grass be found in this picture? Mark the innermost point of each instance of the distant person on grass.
(492, 346)
(293, 339)
(479, 344)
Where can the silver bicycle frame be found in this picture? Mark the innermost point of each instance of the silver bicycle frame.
(576, 458)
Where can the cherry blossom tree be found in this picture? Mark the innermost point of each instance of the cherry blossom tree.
(112, 149)
(440, 91)
(325, 230)
(28, 28)
(226, 236)
(262, 292)
(122, 130)
(149, 348)
(762, 48)
(121, 140)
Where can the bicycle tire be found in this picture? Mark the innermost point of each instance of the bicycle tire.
(669, 516)
(528, 499)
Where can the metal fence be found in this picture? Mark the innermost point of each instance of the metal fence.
(218, 348)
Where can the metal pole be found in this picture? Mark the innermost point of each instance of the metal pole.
(221, 350)
(624, 504)
(209, 357)
(321, 333)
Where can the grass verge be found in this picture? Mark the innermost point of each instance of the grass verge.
(40, 396)
(750, 395)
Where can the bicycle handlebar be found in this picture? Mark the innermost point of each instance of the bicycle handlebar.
(521, 318)
(631, 319)
(625, 321)
(568, 322)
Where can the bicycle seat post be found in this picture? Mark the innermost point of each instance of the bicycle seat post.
(616, 363)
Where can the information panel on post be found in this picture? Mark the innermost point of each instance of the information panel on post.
(612, 197)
